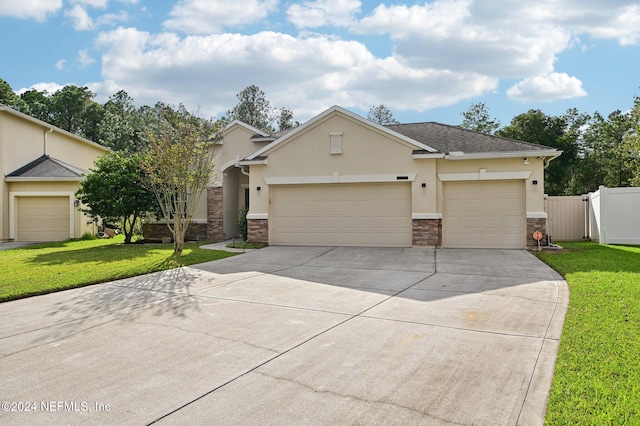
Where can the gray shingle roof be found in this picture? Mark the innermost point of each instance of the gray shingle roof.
(47, 167)
(446, 138)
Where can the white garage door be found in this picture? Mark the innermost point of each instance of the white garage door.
(342, 215)
(487, 214)
(43, 218)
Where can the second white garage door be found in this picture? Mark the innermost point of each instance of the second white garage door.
(372, 214)
(43, 218)
(487, 214)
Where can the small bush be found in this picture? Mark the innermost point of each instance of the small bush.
(241, 223)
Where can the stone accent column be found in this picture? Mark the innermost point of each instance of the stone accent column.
(536, 224)
(427, 232)
(215, 214)
(258, 230)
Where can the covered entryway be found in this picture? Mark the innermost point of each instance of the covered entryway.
(43, 218)
(367, 214)
(484, 214)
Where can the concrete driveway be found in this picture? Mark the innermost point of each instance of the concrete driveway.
(293, 335)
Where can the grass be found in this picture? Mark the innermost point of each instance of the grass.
(45, 268)
(597, 374)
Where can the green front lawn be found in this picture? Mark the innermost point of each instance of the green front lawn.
(597, 373)
(50, 267)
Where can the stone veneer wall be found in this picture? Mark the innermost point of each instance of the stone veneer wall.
(427, 232)
(258, 230)
(536, 225)
(158, 231)
(215, 214)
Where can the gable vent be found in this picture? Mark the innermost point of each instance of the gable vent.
(336, 142)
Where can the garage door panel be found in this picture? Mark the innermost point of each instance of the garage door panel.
(341, 214)
(43, 218)
(488, 214)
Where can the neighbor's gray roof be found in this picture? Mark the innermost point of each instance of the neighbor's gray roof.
(47, 167)
(446, 138)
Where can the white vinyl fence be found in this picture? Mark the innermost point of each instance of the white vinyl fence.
(615, 215)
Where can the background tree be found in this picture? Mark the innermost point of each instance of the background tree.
(121, 126)
(37, 104)
(477, 118)
(381, 115)
(114, 189)
(285, 119)
(7, 95)
(72, 109)
(631, 144)
(179, 163)
(253, 109)
(561, 132)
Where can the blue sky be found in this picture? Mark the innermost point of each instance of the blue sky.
(424, 60)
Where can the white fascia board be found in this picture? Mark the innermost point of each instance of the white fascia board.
(43, 179)
(547, 153)
(426, 216)
(336, 178)
(537, 215)
(253, 162)
(350, 114)
(257, 216)
(428, 156)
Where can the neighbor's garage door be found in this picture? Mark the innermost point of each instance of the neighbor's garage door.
(43, 218)
(487, 214)
(341, 215)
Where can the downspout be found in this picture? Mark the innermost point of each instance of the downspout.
(246, 173)
(45, 140)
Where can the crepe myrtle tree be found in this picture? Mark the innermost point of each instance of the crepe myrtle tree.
(114, 189)
(178, 162)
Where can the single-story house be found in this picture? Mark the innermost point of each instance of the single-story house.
(42, 166)
(342, 180)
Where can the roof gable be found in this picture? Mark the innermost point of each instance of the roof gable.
(248, 127)
(341, 111)
(46, 167)
(6, 109)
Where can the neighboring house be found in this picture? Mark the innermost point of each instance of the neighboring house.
(42, 166)
(341, 180)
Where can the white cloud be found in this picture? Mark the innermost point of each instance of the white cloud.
(210, 16)
(546, 88)
(470, 36)
(60, 64)
(101, 4)
(38, 10)
(323, 12)
(304, 74)
(80, 18)
(41, 87)
(84, 59)
(442, 52)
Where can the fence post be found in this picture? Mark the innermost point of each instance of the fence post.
(603, 215)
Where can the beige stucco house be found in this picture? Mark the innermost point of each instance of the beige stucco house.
(341, 180)
(42, 166)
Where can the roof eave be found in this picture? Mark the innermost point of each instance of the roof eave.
(548, 154)
(42, 179)
(254, 162)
